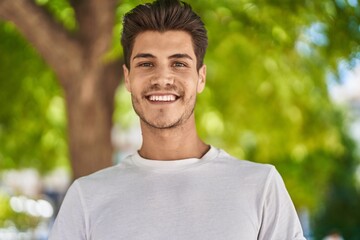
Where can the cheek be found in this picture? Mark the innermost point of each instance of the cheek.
(190, 85)
(135, 82)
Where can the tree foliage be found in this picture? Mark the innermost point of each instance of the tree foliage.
(32, 114)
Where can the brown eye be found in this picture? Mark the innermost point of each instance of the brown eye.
(145, 64)
(179, 64)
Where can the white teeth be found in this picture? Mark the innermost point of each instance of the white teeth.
(162, 98)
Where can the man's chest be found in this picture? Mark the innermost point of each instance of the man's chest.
(177, 212)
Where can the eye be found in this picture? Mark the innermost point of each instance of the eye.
(179, 64)
(145, 64)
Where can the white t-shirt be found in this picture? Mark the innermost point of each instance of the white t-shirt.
(216, 197)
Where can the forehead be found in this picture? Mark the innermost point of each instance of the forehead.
(163, 43)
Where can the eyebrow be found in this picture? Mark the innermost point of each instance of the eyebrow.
(143, 55)
(180, 55)
(174, 56)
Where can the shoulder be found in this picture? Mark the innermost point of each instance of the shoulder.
(245, 168)
(105, 177)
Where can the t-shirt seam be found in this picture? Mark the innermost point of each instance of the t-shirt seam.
(265, 192)
(164, 170)
(168, 170)
(83, 206)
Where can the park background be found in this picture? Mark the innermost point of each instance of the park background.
(283, 87)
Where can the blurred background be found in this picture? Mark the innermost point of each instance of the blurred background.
(283, 87)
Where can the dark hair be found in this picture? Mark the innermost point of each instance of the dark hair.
(164, 15)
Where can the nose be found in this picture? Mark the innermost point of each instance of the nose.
(162, 77)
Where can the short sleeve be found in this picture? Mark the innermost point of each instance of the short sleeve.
(70, 223)
(279, 218)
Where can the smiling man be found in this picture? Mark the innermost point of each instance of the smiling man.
(160, 60)
(164, 80)
(176, 186)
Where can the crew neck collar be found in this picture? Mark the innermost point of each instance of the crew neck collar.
(168, 165)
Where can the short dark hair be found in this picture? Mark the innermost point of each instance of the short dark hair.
(161, 16)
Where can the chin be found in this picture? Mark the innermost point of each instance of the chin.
(164, 124)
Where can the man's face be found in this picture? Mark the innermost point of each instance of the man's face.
(163, 79)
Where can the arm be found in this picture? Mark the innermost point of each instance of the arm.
(71, 222)
(279, 218)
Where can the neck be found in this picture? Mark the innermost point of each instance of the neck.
(176, 143)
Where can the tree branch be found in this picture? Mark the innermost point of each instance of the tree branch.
(96, 21)
(53, 42)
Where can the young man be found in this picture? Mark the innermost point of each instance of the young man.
(175, 186)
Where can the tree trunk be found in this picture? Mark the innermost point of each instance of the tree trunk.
(89, 109)
(89, 82)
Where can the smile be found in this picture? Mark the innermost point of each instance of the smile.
(162, 98)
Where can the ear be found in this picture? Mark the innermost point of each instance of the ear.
(202, 79)
(126, 77)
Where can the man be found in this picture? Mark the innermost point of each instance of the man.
(176, 186)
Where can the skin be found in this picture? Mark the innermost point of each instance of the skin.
(163, 81)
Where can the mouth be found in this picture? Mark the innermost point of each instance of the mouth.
(162, 98)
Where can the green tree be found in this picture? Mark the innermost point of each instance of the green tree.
(340, 209)
(73, 38)
(32, 120)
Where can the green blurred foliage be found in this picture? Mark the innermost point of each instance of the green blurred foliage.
(21, 221)
(61, 11)
(5, 209)
(266, 97)
(32, 113)
(340, 209)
